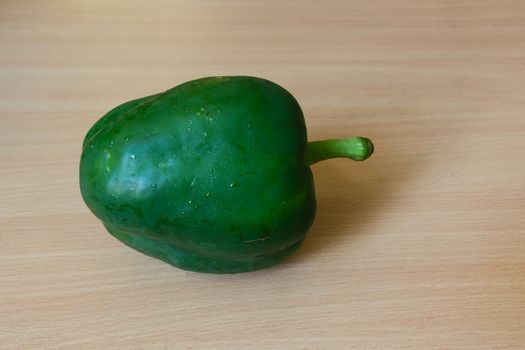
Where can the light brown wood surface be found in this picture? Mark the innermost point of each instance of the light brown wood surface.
(420, 247)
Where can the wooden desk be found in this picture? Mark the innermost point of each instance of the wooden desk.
(421, 247)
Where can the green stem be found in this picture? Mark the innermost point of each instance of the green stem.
(356, 148)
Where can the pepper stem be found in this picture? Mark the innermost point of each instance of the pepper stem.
(356, 148)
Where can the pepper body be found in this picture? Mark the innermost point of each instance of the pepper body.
(209, 176)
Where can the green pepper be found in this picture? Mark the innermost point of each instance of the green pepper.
(212, 175)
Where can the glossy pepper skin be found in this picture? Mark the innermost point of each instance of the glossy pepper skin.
(210, 176)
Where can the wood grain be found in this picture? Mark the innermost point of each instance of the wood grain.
(420, 247)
